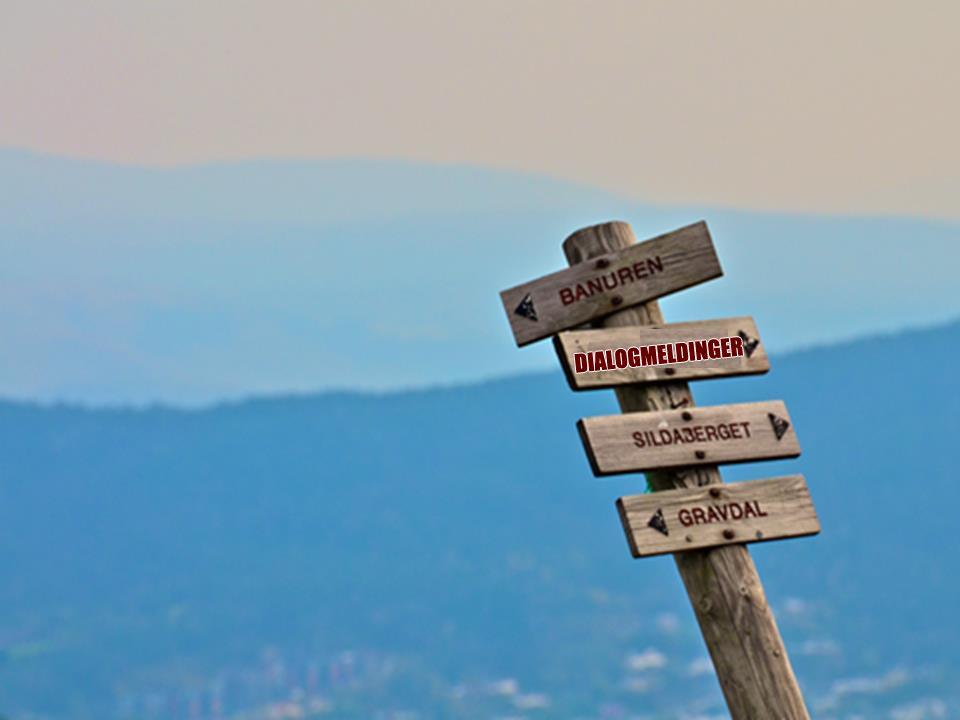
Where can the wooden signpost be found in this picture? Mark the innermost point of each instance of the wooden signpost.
(613, 284)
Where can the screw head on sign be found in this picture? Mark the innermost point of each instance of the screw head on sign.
(602, 263)
(616, 301)
(729, 534)
(669, 371)
(700, 454)
(715, 492)
(686, 415)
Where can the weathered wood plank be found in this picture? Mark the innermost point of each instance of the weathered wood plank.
(640, 441)
(695, 518)
(725, 591)
(584, 292)
(753, 361)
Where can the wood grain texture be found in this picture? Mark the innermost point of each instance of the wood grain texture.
(615, 280)
(754, 360)
(641, 441)
(726, 594)
(694, 518)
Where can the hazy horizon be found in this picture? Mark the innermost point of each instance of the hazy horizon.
(192, 285)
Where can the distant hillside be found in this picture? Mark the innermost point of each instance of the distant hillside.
(191, 285)
(448, 551)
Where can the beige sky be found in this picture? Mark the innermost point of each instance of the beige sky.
(809, 106)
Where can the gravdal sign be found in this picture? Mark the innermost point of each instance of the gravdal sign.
(640, 441)
(687, 519)
(611, 282)
(608, 357)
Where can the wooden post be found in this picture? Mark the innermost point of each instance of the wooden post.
(737, 624)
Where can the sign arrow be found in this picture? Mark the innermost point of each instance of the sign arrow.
(749, 344)
(658, 523)
(779, 425)
(526, 309)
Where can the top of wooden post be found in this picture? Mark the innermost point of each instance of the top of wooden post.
(599, 239)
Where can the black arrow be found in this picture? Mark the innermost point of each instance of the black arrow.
(526, 309)
(779, 425)
(658, 523)
(748, 345)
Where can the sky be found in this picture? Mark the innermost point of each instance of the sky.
(812, 107)
(203, 200)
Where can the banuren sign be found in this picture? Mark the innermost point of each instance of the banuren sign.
(648, 353)
(691, 518)
(640, 441)
(612, 282)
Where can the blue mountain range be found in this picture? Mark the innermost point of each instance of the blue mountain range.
(447, 553)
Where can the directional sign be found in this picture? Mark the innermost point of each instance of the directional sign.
(630, 354)
(612, 282)
(677, 520)
(640, 441)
